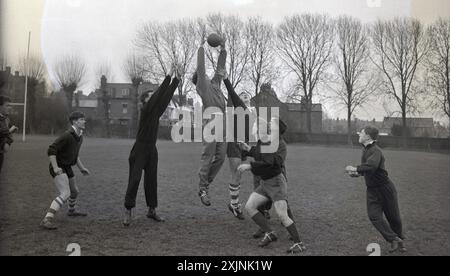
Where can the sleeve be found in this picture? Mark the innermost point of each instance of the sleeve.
(4, 129)
(4, 132)
(221, 65)
(58, 145)
(235, 99)
(159, 92)
(164, 100)
(372, 163)
(201, 71)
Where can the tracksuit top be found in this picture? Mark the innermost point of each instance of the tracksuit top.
(154, 109)
(372, 167)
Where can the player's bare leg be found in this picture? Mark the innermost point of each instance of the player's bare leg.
(255, 201)
(281, 208)
(62, 185)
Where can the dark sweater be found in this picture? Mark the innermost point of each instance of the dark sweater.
(66, 148)
(5, 135)
(372, 167)
(154, 109)
(268, 165)
(235, 101)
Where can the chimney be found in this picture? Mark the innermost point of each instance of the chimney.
(103, 82)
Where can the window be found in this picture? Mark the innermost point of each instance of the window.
(125, 108)
(125, 92)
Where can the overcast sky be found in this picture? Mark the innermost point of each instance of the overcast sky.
(102, 30)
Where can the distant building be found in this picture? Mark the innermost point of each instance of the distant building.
(418, 127)
(294, 114)
(14, 85)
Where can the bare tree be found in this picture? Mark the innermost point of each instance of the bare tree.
(400, 47)
(134, 69)
(165, 44)
(438, 64)
(305, 44)
(351, 63)
(35, 67)
(232, 28)
(70, 72)
(262, 66)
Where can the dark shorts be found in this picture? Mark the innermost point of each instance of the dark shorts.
(274, 188)
(234, 151)
(66, 169)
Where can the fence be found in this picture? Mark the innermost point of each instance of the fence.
(384, 141)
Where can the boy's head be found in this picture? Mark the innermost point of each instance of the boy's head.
(145, 96)
(4, 105)
(368, 134)
(77, 119)
(246, 98)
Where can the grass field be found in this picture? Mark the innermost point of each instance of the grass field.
(329, 207)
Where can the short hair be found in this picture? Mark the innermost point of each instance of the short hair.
(4, 99)
(372, 132)
(144, 95)
(195, 78)
(76, 115)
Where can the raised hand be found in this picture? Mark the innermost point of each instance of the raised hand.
(244, 167)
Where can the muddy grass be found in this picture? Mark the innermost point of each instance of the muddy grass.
(329, 207)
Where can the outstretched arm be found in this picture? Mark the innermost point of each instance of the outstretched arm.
(221, 66)
(164, 101)
(161, 89)
(201, 71)
(235, 99)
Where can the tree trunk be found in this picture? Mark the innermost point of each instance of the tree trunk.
(135, 114)
(69, 98)
(309, 116)
(449, 126)
(404, 128)
(349, 126)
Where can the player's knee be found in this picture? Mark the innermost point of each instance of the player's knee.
(251, 208)
(65, 195)
(374, 218)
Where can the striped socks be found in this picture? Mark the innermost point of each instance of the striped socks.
(234, 194)
(54, 207)
(72, 203)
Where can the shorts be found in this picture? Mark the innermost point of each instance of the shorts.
(66, 169)
(275, 188)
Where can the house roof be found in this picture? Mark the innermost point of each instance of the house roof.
(410, 122)
(299, 107)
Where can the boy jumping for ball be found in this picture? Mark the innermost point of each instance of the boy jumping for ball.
(381, 192)
(213, 155)
(63, 155)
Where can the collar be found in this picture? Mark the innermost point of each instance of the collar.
(74, 130)
(369, 144)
